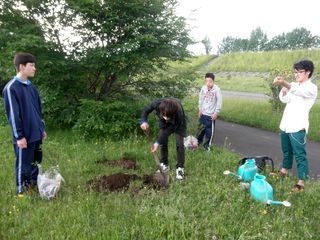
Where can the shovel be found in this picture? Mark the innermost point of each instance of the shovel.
(162, 177)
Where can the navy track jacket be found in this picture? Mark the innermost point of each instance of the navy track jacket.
(23, 108)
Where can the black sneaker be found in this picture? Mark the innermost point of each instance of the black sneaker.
(207, 148)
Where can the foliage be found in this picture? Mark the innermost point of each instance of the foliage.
(3, 118)
(257, 40)
(115, 41)
(115, 119)
(207, 44)
(274, 90)
(298, 38)
(278, 42)
(95, 50)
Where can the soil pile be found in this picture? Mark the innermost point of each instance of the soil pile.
(121, 181)
(115, 182)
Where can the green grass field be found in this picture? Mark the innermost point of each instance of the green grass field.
(206, 205)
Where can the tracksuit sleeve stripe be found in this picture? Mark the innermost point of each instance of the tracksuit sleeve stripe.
(12, 116)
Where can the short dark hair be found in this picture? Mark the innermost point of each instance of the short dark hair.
(209, 75)
(23, 58)
(169, 107)
(304, 64)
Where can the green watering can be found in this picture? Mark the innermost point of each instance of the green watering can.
(262, 191)
(246, 172)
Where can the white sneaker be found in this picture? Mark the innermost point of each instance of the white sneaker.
(180, 173)
(164, 168)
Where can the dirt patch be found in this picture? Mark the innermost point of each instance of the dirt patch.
(121, 181)
(123, 162)
(115, 182)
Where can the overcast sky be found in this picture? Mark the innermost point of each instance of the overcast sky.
(237, 18)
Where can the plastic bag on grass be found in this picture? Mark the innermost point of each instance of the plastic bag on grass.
(49, 182)
(190, 142)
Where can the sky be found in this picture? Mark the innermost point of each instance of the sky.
(238, 18)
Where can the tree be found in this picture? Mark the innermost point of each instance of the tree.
(299, 38)
(112, 41)
(278, 42)
(230, 44)
(207, 44)
(93, 49)
(120, 40)
(257, 41)
(227, 45)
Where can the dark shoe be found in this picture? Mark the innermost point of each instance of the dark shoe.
(297, 188)
(282, 174)
(207, 148)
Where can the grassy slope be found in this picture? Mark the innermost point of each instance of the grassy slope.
(259, 113)
(264, 61)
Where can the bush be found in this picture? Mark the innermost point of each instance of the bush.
(116, 119)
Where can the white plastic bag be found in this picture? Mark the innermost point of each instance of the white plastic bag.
(49, 182)
(190, 142)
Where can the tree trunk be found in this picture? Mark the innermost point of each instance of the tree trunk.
(106, 86)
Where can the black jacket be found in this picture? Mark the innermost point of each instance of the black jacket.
(177, 125)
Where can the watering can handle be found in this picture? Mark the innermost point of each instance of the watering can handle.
(272, 164)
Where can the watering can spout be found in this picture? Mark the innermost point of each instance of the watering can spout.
(227, 172)
(284, 203)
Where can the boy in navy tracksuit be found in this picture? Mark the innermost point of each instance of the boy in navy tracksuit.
(172, 119)
(23, 108)
(210, 102)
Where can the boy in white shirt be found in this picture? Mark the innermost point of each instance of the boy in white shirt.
(210, 102)
(299, 97)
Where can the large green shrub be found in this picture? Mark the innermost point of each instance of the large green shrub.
(115, 119)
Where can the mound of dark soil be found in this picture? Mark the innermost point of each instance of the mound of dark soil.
(123, 162)
(115, 182)
(121, 182)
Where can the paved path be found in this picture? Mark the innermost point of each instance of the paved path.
(248, 141)
(249, 95)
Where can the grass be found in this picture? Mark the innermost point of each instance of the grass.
(191, 63)
(243, 84)
(259, 114)
(263, 61)
(207, 204)
(237, 83)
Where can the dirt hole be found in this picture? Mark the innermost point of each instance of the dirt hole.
(121, 182)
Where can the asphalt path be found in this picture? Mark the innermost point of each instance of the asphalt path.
(249, 141)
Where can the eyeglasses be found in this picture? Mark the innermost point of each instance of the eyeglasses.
(300, 71)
